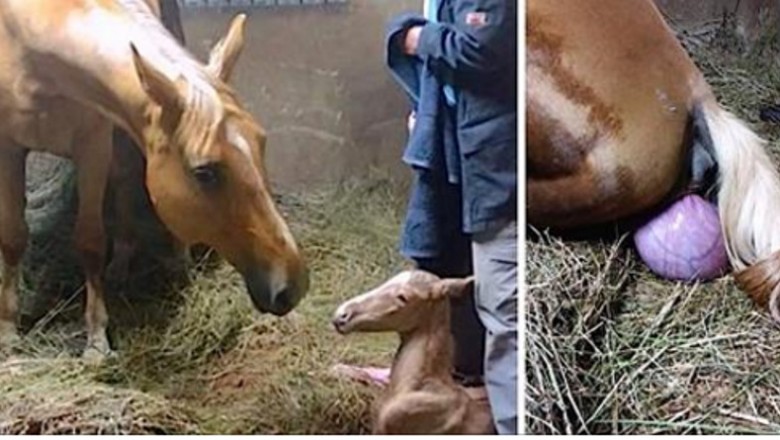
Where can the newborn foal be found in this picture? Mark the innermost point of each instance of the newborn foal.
(422, 397)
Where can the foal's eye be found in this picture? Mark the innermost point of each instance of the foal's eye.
(403, 299)
(207, 175)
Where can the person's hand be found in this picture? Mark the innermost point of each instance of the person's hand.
(412, 40)
(411, 121)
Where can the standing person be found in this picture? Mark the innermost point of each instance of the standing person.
(459, 67)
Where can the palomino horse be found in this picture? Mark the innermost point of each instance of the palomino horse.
(620, 121)
(71, 69)
(127, 174)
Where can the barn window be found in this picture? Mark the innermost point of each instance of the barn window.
(255, 3)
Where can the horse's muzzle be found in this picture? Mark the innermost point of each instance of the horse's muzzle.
(277, 301)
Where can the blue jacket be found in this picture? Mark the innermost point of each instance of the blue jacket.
(465, 155)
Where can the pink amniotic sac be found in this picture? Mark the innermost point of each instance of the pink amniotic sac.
(684, 242)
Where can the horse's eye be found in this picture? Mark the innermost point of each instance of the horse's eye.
(206, 175)
(402, 298)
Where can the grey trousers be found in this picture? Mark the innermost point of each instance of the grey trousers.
(495, 269)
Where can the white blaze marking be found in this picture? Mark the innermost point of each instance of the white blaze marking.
(235, 139)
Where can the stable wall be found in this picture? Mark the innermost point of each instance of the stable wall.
(753, 17)
(314, 76)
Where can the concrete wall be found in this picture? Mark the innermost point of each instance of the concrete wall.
(314, 77)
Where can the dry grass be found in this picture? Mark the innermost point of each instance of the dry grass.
(193, 355)
(64, 396)
(613, 349)
(573, 294)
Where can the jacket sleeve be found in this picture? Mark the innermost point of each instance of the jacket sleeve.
(482, 39)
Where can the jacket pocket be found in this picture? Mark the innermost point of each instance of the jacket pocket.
(487, 113)
(478, 130)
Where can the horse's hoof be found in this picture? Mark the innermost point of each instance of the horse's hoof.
(94, 355)
(9, 336)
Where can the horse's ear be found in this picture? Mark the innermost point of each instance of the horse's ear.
(453, 287)
(225, 54)
(161, 89)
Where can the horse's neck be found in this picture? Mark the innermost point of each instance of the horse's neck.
(425, 353)
(90, 59)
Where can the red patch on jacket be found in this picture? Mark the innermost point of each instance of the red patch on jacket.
(476, 19)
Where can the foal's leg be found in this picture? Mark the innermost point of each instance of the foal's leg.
(93, 161)
(126, 173)
(13, 237)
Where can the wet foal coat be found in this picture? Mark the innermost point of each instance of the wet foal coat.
(422, 397)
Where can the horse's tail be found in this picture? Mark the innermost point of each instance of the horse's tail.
(748, 202)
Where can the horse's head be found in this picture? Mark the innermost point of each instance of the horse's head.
(207, 180)
(401, 304)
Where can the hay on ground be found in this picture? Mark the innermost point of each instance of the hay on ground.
(613, 349)
(193, 355)
(56, 396)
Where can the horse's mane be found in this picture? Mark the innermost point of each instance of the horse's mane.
(208, 98)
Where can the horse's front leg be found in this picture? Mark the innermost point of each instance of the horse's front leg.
(93, 152)
(13, 237)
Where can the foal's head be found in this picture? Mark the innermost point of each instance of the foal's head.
(402, 304)
(207, 179)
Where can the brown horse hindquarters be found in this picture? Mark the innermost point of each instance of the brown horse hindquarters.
(609, 96)
(612, 98)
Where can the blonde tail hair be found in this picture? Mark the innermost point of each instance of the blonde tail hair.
(748, 204)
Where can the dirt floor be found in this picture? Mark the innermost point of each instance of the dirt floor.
(193, 356)
(613, 349)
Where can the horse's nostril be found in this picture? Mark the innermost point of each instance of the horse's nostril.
(278, 302)
(341, 320)
(283, 301)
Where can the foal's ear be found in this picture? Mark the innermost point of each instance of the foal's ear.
(161, 89)
(453, 287)
(225, 53)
